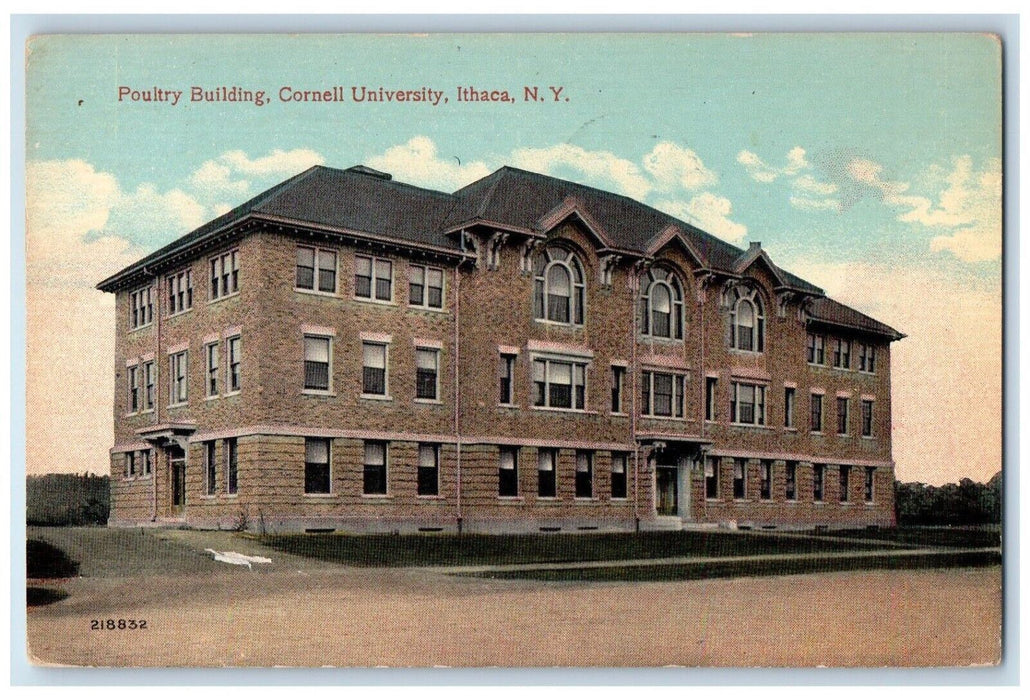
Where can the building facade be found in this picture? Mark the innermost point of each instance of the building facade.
(346, 352)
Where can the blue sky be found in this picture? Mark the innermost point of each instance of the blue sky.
(870, 164)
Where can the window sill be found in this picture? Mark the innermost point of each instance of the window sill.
(376, 397)
(868, 437)
(428, 497)
(178, 313)
(229, 496)
(322, 496)
(316, 292)
(673, 419)
(619, 414)
(791, 501)
(548, 499)
(184, 404)
(788, 429)
(713, 500)
(212, 397)
(428, 309)
(130, 414)
(818, 503)
(377, 496)
(746, 353)
(141, 328)
(753, 426)
(660, 339)
(619, 501)
(507, 405)
(551, 409)
(209, 497)
(559, 324)
(377, 302)
(317, 392)
(223, 298)
(430, 402)
(817, 432)
(231, 393)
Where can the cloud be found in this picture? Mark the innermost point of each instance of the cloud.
(813, 204)
(673, 166)
(602, 167)
(418, 161)
(231, 176)
(808, 184)
(761, 171)
(809, 194)
(709, 212)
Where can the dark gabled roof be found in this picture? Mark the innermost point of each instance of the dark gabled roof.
(827, 311)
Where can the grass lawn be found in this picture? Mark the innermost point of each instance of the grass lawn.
(974, 536)
(468, 550)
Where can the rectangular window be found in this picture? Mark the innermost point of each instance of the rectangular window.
(507, 368)
(662, 394)
(559, 384)
(866, 358)
(739, 478)
(231, 466)
(817, 413)
(178, 373)
(427, 361)
(545, 468)
(816, 349)
(619, 468)
(428, 470)
(210, 468)
(149, 380)
(211, 353)
(842, 415)
(373, 278)
(789, 395)
(225, 274)
(180, 292)
(316, 363)
(790, 489)
(711, 394)
(375, 469)
(845, 481)
(584, 474)
(618, 384)
(747, 404)
(141, 307)
(765, 485)
(867, 418)
(818, 476)
(233, 377)
(130, 464)
(373, 369)
(842, 353)
(508, 472)
(133, 379)
(711, 478)
(425, 286)
(148, 462)
(317, 470)
(316, 268)
(870, 484)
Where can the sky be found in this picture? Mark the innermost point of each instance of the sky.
(868, 164)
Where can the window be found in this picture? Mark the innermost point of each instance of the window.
(789, 395)
(375, 469)
(180, 292)
(177, 366)
(711, 394)
(141, 308)
(747, 404)
(316, 269)
(373, 278)
(130, 464)
(149, 380)
(790, 488)
(316, 363)
(747, 320)
(817, 413)
(428, 470)
(842, 353)
(584, 474)
(711, 478)
(373, 372)
(559, 384)
(211, 352)
(816, 349)
(618, 383)
(661, 394)
(765, 482)
(508, 472)
(427, 361)
(870, 484)
(507, 368)
(740, 478)
(558, 287)
(133, 378)
(845, 478)
(231, 466)
(866, 358)
(317, 470)
(842, 415)
(619, 465)
(233, 377)
(148, 462)
(867, 418)
(545, 467)
(210, 468)
(661, 304)
(225, 274)
(425, 286)
(818, 477)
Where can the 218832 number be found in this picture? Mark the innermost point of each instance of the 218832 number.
(119, 624)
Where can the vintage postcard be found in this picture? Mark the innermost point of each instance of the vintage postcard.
(538, 350)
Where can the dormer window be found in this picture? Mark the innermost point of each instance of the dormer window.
(558, 291)
(661, 305)
(747, 320)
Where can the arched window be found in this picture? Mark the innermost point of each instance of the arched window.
(661, 304)
(747, 320)
(558, 286)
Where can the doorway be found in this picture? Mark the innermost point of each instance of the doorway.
(177, 467)
(666, 490)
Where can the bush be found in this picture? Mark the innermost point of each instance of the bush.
(67, 499)
(964, 503)
(44, 560)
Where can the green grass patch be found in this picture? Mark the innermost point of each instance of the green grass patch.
(468, 550)
(749, 568)
(967, 537)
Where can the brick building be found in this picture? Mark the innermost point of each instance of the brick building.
(348, 352)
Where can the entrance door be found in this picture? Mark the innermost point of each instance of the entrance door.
(666, 494)
(177, 463)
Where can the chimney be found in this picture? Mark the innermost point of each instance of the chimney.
(365, 170)
(754, 245)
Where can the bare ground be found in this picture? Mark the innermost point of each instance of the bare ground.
(299, 612)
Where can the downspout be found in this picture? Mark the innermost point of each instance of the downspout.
(157, 398)
(704, 392)
(634, 286)
(457, 375)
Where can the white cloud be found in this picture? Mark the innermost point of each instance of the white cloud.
(603, 167)
(709, 212)
(673, 166)
(418, 161)
(809, 194)
(276, 164)
(231, 176)
(761, 171)
(813, 204)
(808, 184)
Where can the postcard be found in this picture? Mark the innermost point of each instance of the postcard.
(514, 350)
